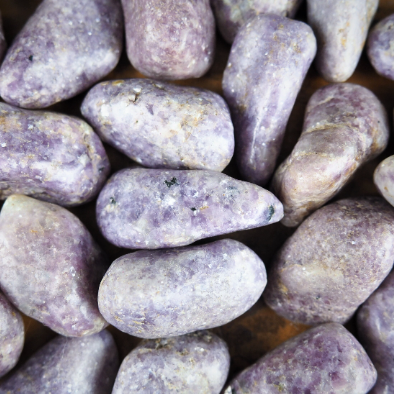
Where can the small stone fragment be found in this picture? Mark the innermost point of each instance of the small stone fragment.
(162, 126)
(384, 179)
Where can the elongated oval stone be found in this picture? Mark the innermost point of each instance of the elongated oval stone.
(267, 65)
(68, 365)
(64, 48)
(49, 156)
(170, 39)
(50, 267)
(345, 126)
(151, 209)
(160, 293)
(333, 262)
(162, 126)
(194, 363)
(384, 179)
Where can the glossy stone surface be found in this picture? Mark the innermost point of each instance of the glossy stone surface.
(50, 267)
(160, 125)
(323, 360)
(194, 363)
(64, 48)
(52, 157)
(333, 262)
(160, 293)
(383, 178)
(68, 365)
(261, 83)
(345, 125)
(170, 39)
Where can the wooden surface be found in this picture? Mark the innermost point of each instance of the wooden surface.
(259, 330)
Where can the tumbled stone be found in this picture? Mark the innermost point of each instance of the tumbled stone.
(345, 126)
(261, 83)
(3, 43)
(383, 178)
(323, 360)
(194, 363)
(162, 126)
(333, 262)
(50, 267)
(64, 48)
(170, 39)
(68, 365)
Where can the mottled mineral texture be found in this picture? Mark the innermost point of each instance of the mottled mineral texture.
(162, 126)
(384, 179)
(333, 262)
(149, 209)
(64, 48)
(231, 15)
(50, 267)
(3, 43)
(323, 360)
(12, 335)
(267, 65)
(341, 28)
(68, 365)
(194, 363)
(345, 126)
(160, 293)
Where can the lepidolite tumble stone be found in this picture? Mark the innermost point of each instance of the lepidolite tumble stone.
(383, 178)
(323, 360)
(170, 39)
(162, 126)
(50, 267)
(333, 262)
(194, 363)
(68, 365)
(64, 48)
(267, 65)
(150, 209)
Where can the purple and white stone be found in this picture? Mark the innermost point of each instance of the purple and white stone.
(268, 62)
(3, 43)
(68, 365)
(161, 293)
(64, 48)
(193, 363)
(345, 126)
(162, 126)
(50, 267)
(323, 360)
(383, 178)
(333, 262)
(170, 39)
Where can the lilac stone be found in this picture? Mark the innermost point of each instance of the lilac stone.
(12, 335)
(333, 262)
(3, 43)
(64, 48)
(49, 156)
(162, 126)
(323, 360)
(384, 179)
(50, 267)
(68, 365)
(170, 39)
(193, 363)
(149, 209)
(267, 65)
(160, 293)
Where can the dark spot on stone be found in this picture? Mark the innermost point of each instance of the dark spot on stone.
(31, 58)
(112, 201)
(271, 211)
(193, 209)
(318, 297)
(172, 182)
(101, 169)
(150, 108)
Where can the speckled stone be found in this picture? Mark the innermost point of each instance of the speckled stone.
(160, 293)
(64, 48)
(49, 156)
(68, 366)
(149, 209)
(170, 39)
(333, 262)
(323, 360)
(345, 126)
(261, 83)
(341, 28)
(231, 15)
(384, 179)
(162, 126)
(3, 43)
(12, 335)
(50, 267)
(194, 363)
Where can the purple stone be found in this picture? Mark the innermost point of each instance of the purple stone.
(384, 179)
(3, 43)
